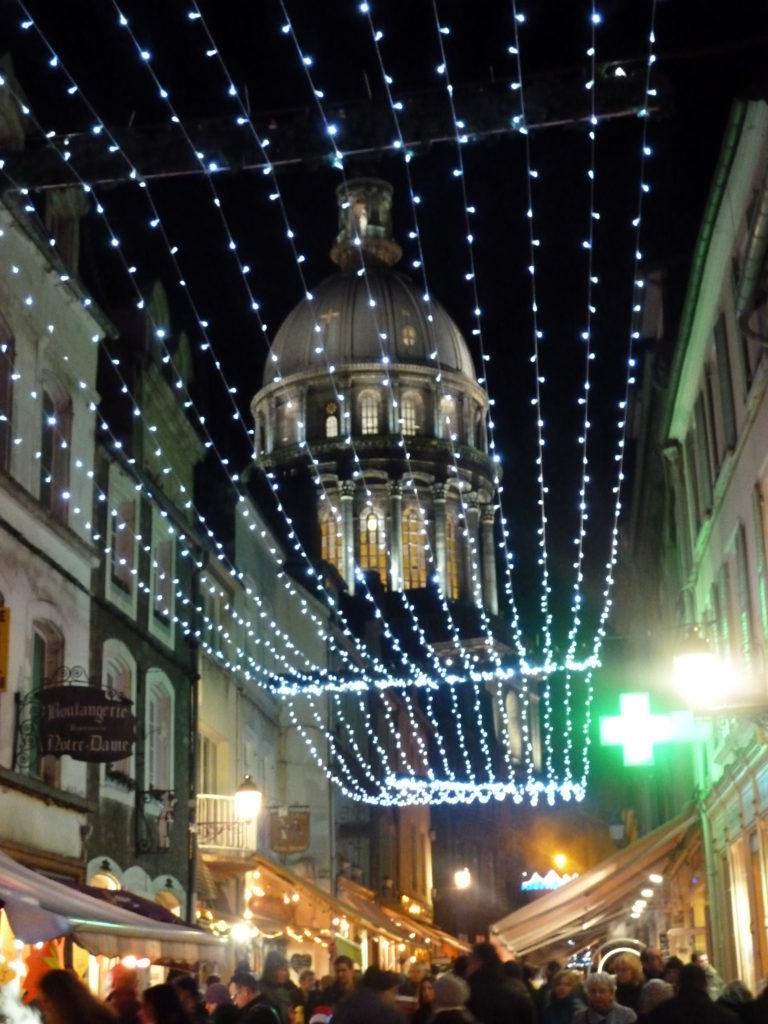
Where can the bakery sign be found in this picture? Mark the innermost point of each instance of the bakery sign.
(289, 831)
(85, 723)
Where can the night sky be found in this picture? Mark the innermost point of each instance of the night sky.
(706, 55)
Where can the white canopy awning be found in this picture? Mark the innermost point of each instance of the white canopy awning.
(591, 903)
(39, 908)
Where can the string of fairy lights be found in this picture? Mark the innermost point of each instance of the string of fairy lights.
(212, 49)
(403, 780)
(330, 130)
(159, 330)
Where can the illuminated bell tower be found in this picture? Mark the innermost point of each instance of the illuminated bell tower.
(370, 395)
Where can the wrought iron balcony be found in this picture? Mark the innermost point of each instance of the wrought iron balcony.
(220, 829)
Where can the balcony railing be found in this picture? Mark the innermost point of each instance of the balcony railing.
(218, 828)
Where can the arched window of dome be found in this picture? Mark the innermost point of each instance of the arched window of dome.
(331, 539)
(369, 412)
(411, 413)
(480, 439)
(331, 419)
(373, 543)
(286, 422)
(414, 549)
(448, 418)
(514, 725)
(451, 558)
(409, 336)
(261, 434)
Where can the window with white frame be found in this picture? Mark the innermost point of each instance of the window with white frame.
(162, 575)
(159, 732)
(56, 427)
(123, 546)
(208, 766)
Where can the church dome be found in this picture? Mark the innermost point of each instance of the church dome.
(352, 331)
(356, 317)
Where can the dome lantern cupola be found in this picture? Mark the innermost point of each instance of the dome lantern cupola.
(365, 225)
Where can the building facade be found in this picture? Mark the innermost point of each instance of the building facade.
(704, 463)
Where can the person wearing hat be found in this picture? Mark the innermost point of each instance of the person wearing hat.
(218, 1004)
(451, 994)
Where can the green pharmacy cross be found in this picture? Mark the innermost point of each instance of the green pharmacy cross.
(637, 731)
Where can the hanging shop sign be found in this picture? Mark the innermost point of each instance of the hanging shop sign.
(289, 831)
(86, 723)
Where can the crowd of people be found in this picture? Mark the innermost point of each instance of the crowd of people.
(479, 989)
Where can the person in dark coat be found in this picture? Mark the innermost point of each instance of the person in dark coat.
(628, 969)
(655, 992)
(451, 995)
(160, 1004)
(276, 986)
(253, 1006)
(218, 1005)
(737, 997)
(372, 1001)
(342, 985)
(425, 1001)
(493, 999)
(191, 999)
(672, 969)
(544, 994)
(65, 1000)
(692, 1004)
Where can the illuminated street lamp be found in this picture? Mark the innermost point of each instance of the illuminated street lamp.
(247, 800)
(462, 878)
(699, 676)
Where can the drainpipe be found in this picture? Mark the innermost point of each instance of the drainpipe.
(194, 699)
